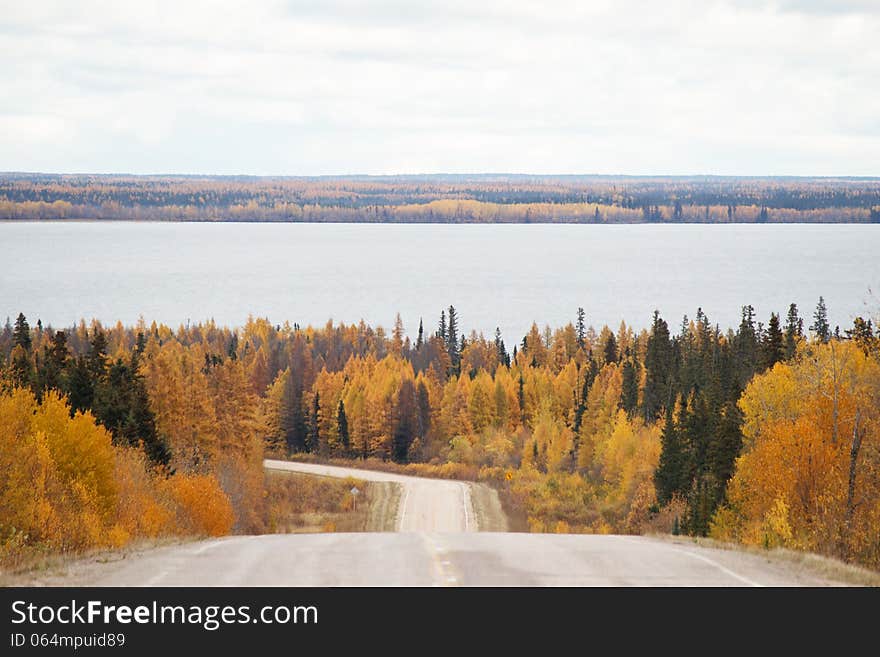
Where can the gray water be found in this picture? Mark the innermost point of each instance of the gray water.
(495, 275)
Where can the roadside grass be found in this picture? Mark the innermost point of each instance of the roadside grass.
(488, 509)
(825, 567)
(492, 510)
(294, 503)
(37, 565)
(298, 503)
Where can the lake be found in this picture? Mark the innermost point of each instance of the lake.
(495, 275)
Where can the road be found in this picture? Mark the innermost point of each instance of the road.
(426, 505)
(436, 545)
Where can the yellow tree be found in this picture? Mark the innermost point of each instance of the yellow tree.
(809, 475)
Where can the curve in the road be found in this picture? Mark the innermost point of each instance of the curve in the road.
(437, 545)
(427, 505)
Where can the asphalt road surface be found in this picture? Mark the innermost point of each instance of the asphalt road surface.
(426, 505)
(437, 545)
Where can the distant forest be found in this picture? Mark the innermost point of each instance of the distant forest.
(441, 199)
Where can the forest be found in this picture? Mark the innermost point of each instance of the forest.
(440, 199)
(766, 434)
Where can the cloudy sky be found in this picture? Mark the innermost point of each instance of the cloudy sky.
(401, 86)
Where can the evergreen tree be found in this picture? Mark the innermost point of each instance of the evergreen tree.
(500, 350)
(671, 470)
(22, 369)
(121, 403)
(726, 444)
(342, 427)
(610, 349)
(294, 426)
(794, 329)
(591, 371)
(97, 360)
(820, 325)
(452, 340)
(773, 347)
(79, 386)
(746, 347)
(862, 333)
(581, 326)
(21, 334)
(53, 363)
(141, 423)
(659, 364)
(405, 422)
(696, 428)
(441, 330)
(629, 395)
(420, 340)
(701, 506)
(140, 344)
(313, 439)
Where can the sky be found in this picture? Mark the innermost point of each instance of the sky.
(323, 87)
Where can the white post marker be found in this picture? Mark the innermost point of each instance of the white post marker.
(354, 496)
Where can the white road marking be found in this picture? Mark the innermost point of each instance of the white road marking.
(727, 571)
(465, 495)
(208, 546)
(154, 580)
(403, 507)
(711, 562)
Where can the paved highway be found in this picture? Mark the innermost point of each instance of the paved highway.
(461, 559)
(426, 505)
(437, 545)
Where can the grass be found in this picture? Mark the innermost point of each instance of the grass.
(300, 503)
(38, 564)
(490, 515)
(295, 503)
(816, 564)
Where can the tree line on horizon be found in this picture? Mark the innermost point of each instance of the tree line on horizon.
(439, 199)
(767, 433)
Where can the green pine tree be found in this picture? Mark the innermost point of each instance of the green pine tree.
(671, 470)
(773, 347)
(21, 334)
(629, 396)
(342, 427)
(794, 329)
(659, 377)
(581, 326)
(820, 326)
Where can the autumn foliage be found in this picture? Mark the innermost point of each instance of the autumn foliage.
(809, 476)
(766, 435)
(66, 487)
(438, 199)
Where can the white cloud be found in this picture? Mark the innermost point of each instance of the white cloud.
(338, 86)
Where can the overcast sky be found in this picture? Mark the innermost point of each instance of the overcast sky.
(305, 87)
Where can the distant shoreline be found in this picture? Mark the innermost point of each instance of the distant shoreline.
(83, 220)
(441, 199)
